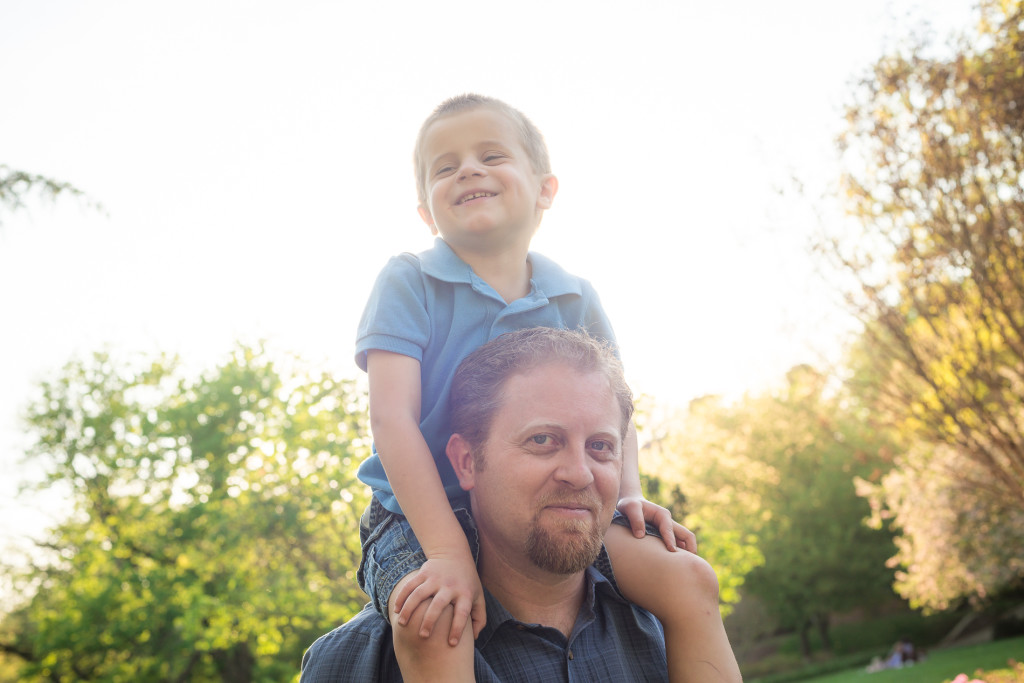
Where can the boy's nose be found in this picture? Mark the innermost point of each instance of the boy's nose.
(470, 169)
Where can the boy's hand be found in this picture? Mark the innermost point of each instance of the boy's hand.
(639, 510)
(444, 581)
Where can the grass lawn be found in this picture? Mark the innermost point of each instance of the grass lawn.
(941, 665)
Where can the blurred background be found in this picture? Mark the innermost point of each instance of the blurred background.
(803, 219)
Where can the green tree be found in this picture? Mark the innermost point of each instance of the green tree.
(935, 153)
(778, 469)
(956, 540)
(820, 557)
(214, 533)
(727, 549)
(16, 185)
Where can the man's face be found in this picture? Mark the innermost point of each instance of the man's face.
(546, 482)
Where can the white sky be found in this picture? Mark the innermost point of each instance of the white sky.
(254, 158)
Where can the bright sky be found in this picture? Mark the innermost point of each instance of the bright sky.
(254, 161)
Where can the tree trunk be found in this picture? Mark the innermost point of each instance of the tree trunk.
(823, 631)
(235, 665)
(805, 640)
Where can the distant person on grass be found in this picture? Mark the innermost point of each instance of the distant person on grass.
(540, 419)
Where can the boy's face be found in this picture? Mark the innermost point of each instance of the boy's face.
(482, 192)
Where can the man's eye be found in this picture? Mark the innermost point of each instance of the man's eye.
(540, 439)
(602, 446)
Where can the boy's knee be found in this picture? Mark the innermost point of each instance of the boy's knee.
(702, 576)
(669, 584)
(692, 570)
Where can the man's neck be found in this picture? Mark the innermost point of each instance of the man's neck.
(534, 596)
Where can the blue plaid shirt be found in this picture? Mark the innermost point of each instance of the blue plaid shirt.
(612, 640)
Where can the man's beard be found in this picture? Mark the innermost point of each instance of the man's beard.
(567, 549)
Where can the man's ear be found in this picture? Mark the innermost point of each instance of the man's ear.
(461, 457)
(548, 190)
(427, 218)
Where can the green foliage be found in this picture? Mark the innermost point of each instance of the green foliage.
(723, 548)
(731, 555)
(215, 527)
(856, 643)
(878, 635)
(819, 556)
(776, 471)
(956, 540)
(935, 156)
(16, 185)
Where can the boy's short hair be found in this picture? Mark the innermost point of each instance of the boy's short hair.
(533, 141)
(477, 385)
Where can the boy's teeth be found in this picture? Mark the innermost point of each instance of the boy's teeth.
(474, 196)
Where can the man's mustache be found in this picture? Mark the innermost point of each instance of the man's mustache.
(568, 499)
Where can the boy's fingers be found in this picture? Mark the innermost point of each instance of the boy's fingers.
(479, 617)
(459, 620)
(407, 590)
(403, 593)
(432, 614)
(635, 514)
(668, 534)
(416, 582)
(411, 602)
(686, 538)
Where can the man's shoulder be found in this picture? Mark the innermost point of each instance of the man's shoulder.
(359, 649)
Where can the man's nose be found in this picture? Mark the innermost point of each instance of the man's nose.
(574, 467)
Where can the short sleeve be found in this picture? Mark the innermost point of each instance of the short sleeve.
(395, 318)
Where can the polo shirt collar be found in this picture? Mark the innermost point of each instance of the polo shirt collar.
(441, 263)
(549, 278)
(497, 615)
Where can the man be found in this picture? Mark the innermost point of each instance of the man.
(539, 417)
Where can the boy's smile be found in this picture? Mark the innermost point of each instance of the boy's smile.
(470, 196)
(483, 195)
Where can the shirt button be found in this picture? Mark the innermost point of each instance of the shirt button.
(570, 655)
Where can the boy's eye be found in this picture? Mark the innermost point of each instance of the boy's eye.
(493, 156)
(443, 170)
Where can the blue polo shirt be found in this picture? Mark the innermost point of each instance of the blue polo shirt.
(432, 307)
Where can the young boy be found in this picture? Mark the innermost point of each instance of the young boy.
(484, 181)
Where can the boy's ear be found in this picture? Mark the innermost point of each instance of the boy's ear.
(461, 457)
(427, 218)
(548, 190)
